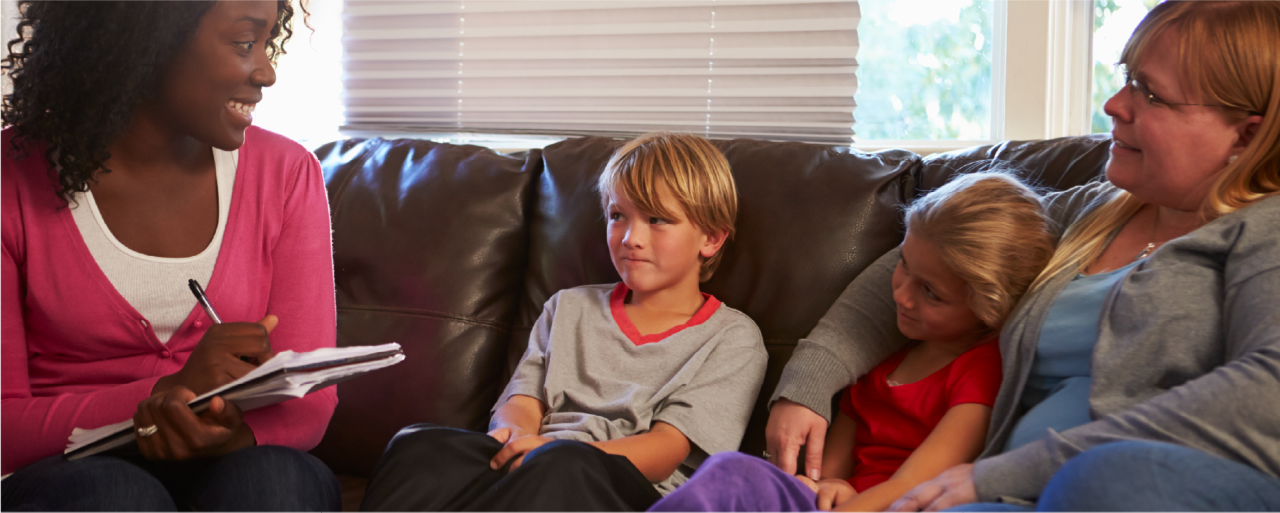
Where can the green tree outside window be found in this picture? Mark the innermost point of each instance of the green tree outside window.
(924, 80)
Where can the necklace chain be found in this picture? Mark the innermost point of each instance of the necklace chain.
(1146, 251)
(1151, 246)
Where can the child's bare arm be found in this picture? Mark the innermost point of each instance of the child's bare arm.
(516, 424)
(656, 452)
(957, 439)
(837, 452)
(521, 414)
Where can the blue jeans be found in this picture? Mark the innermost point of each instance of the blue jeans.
(261, 478)
(1151, 476)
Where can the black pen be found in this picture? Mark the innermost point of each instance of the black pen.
(208, 310)
(204, 301)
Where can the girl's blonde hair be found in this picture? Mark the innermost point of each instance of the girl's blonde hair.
(1230, 55)
(991, 230)
(689, 168)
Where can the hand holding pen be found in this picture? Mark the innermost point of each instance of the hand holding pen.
(166, 429)
(226, 351)
(213, 316)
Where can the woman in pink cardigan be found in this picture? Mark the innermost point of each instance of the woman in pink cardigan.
(129, 167)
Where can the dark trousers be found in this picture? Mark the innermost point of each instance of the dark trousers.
(263, 478)
(433, 468)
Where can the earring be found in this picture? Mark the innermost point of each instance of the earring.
(1232, 159)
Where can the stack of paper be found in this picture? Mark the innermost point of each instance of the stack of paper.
(288, 375)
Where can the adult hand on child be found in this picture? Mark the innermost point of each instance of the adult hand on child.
(167, 429)
(791, 425)
(515, 448)
(950, 489)
(220, 356)
(813, 485)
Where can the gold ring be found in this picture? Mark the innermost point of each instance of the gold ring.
(147, 431)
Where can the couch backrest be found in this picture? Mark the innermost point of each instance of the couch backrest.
(430, 250)
(451, 251)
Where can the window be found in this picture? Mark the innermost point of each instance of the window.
(1113, 23)
(965, 72)
(924, 69)
(305, 104)
(778, 69)
(9, 10)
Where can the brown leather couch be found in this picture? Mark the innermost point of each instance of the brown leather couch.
(452, 250)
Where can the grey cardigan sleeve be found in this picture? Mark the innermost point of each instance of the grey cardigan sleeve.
(861, 329)
(1188, 354)
(857, 333)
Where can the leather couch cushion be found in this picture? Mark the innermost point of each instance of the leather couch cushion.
(430, 250)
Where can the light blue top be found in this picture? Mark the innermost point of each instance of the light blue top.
(1057, 392)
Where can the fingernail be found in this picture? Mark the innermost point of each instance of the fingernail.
(813, 474)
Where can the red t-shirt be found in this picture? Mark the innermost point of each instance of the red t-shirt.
(893, 421)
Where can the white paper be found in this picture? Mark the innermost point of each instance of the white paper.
(294, 384)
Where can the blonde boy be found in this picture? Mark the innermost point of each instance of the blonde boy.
(626, 387)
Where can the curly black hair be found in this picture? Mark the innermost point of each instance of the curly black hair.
(80, 68)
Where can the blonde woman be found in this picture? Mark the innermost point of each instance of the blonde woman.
(1143, 370)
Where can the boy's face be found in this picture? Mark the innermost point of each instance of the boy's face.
(652, 253)
(933, 303)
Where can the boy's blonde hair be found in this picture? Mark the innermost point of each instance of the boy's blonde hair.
(689, 168)
(991, 230)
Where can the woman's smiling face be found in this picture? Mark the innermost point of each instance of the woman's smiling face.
(209, 89)
(1166, 154)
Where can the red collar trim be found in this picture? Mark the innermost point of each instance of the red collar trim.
(617, 306)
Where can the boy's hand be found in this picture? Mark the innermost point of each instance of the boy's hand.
(502, 434)
(516, 448)
(834, 491)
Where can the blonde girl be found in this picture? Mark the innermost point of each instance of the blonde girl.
(972, 248)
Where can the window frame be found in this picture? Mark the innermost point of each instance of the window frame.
(1041, 84)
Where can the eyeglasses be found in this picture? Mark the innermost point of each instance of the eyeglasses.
(1141, 88)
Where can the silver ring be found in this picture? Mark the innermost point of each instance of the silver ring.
(147, 431)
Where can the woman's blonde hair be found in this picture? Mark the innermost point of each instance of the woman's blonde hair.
(991, 230)
(1230, 55)
(693, 171)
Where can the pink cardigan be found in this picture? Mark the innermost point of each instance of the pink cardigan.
(76, 354)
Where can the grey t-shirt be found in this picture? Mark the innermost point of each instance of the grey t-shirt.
(599, 384)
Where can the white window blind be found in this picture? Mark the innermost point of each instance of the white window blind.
(780, 70)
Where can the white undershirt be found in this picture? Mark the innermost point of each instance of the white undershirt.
(156, 287)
